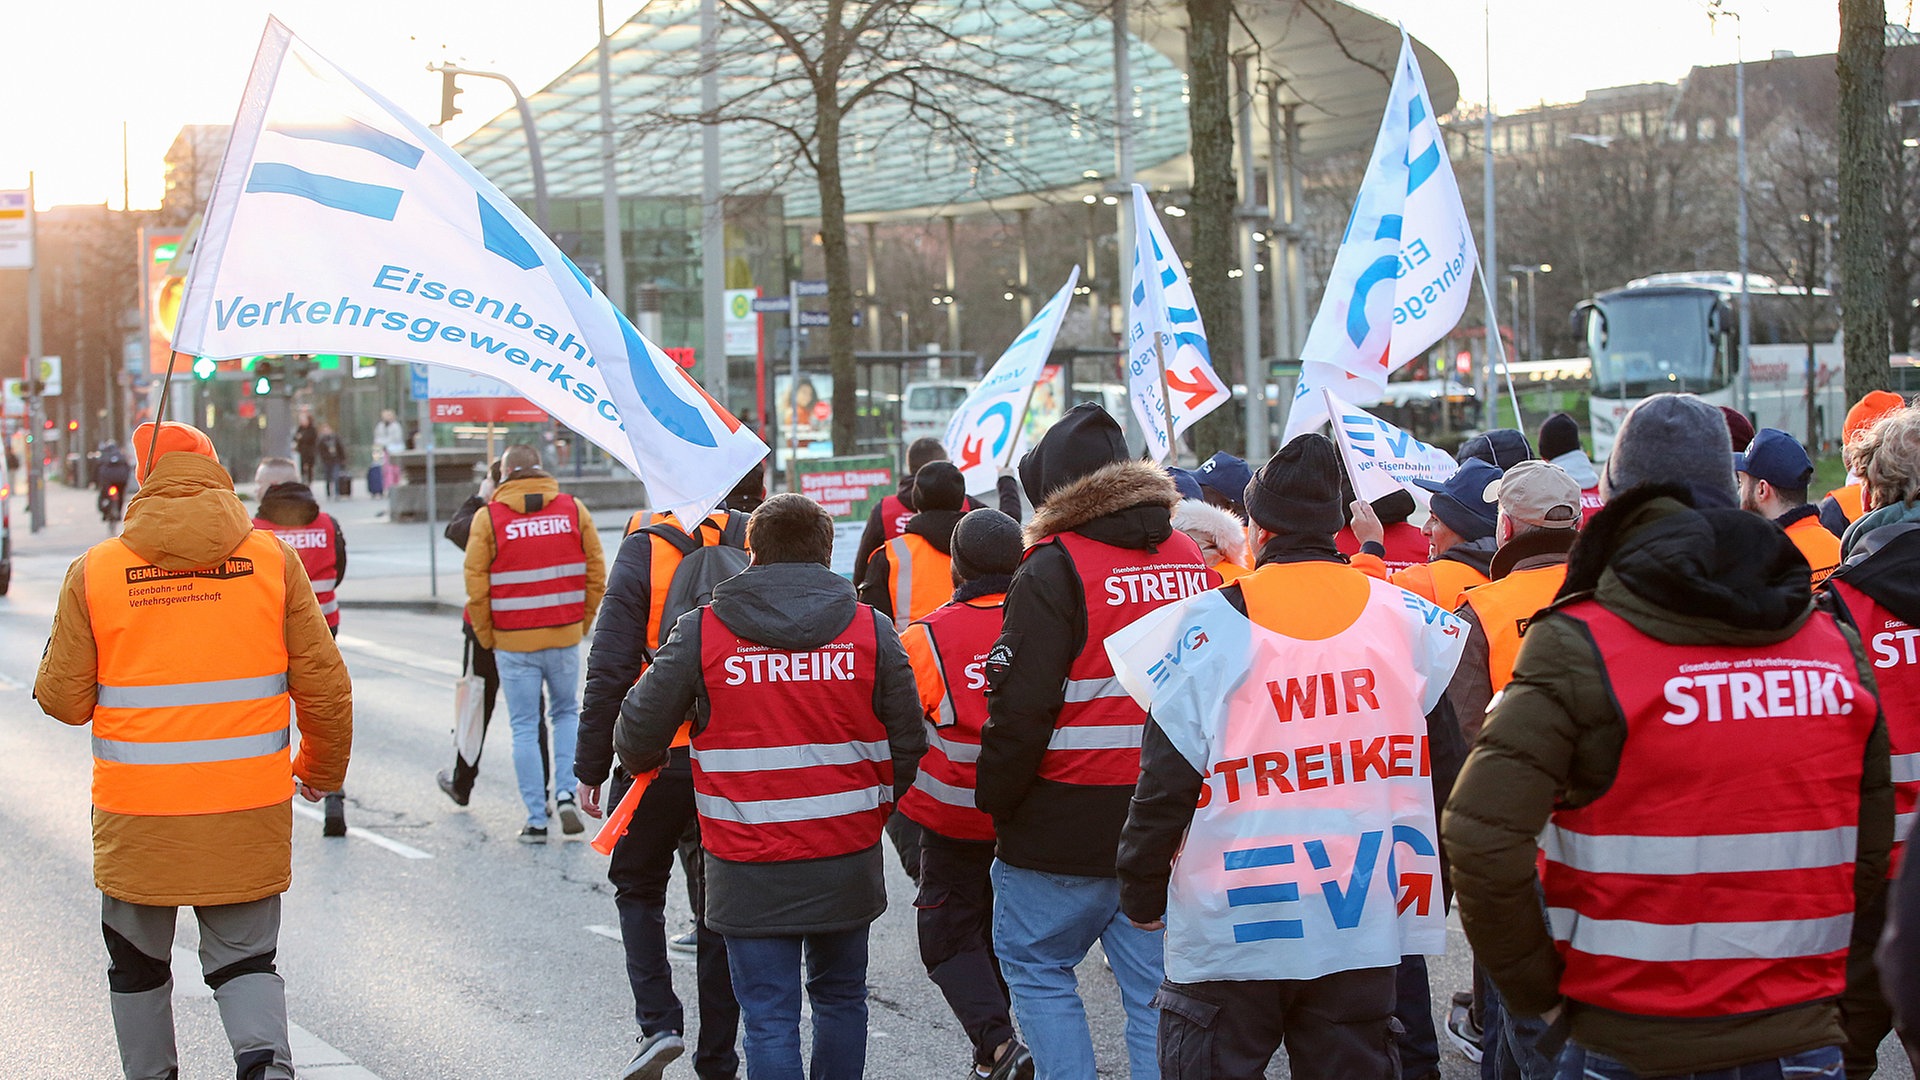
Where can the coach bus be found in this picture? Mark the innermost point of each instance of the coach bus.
(1681, 333)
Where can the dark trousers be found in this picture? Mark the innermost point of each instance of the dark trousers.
(1413, 1007)
(1336, 1027)
(641, 864)
(955, 915)
(481, 660)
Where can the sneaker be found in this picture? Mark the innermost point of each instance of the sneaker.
(688, 942)
(1461, 1031)
(445, 780)
(570, 822)
(1014, 1064)
(336, 816)
(533, 834)
(657, 1051)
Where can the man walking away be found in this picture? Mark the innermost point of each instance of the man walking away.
(1211, 841)
(1700, 884)
(911, 574)
(1460, 542)
(534, 579)
(890, 517)
(806, 729)
(1877, 592)
(1844, 505)
(1061, 749)
(287, 507)
(1560, 445)
(192, 779)
(955, 909)
(1774, 472)
(656, 572)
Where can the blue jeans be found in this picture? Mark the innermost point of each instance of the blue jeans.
(1509, 1044)
(1043, 925)
(521, 676)
(766, 980)
(1578, 1063)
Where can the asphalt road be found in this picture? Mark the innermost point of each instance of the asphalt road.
(430, 943)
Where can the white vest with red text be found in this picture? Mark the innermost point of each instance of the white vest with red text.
(1314, 848)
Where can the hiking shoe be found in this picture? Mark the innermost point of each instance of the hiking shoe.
(1015, 1064)
(533, 834)
(335, 823)
(657, 1051)
(1461, 1031)
(570, 822)
(445, 780)
(688, 942)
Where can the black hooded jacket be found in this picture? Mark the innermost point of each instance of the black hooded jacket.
(874, 536)
(293, 505)
(787, 606)
(1082, 482)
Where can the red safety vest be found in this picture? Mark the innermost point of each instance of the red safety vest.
(894, 515)
(952, 643)
(313, 542)
(1096, 737)
(1893, 650)
(1590, 504)
(1406, 546)
(1715, 876)
(794, 765)
(539, 572)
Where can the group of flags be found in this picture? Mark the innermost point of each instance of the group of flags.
(407, 252)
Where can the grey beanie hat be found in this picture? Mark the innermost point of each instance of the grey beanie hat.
(986, 542)
(1673, 439)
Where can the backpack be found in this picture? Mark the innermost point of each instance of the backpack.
(702, 566)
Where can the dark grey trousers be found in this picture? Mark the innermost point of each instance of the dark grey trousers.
(237, 945)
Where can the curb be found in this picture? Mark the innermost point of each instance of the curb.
(424, 605)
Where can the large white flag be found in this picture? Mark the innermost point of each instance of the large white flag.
(985, 431)
(1383, 457)
(339, 224)
(1405, 267)
(1170, 376)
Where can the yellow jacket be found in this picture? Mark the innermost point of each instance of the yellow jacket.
(480, 551)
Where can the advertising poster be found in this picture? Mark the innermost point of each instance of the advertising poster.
(803, 412)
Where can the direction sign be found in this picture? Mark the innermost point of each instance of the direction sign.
(810, 288)
(771, 305)
(821, 318)
(16, 230)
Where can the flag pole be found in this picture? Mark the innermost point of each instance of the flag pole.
(1166, 400)
(1495, 343)
(1013, 436)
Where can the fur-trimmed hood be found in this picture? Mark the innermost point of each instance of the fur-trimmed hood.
(1219, 534)
(1104, 491)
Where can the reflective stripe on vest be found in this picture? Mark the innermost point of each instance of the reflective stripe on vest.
(794, 764)
(949, 647)
(1096, 737)
(1313, 846)
(218, 743)
(1893, 648)
(1715, 875)
(1504, 609)
(539, 573)
(313, 542)
(922, 578)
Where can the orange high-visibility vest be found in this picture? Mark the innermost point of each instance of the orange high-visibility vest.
(922, 578)
(191, 708)
(1820, 547)
(1442, 581)
(1505, 607)
(1851, 499)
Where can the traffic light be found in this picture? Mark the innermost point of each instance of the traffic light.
(264, 372)
(203, 368)
(448, 90)
(73, 426)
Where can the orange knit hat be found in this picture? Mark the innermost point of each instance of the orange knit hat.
(173, 436)
(1867, 411)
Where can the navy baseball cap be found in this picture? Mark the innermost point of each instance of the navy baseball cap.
(1776, 457)
(1227, 475)
(1468, 502)
(1185, 484)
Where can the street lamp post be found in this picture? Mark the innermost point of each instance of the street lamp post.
(1533, 308)
(526, 125)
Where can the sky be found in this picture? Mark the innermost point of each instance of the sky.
(90, 66)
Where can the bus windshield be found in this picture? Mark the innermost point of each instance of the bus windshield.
(1654, 342)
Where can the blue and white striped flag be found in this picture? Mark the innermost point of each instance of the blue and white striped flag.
(339, 224)
(1381, 456)
(1171, 390)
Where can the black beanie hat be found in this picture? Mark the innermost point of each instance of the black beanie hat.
(1559, 434)
(1297, 492)
(986, 542)
(1502, 448)
(939, 486)
(1085, 440)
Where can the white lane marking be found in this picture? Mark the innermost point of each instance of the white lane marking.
(318, 1061)
(380, 651)
(611, 933)
(187, 982)
(358, 833)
